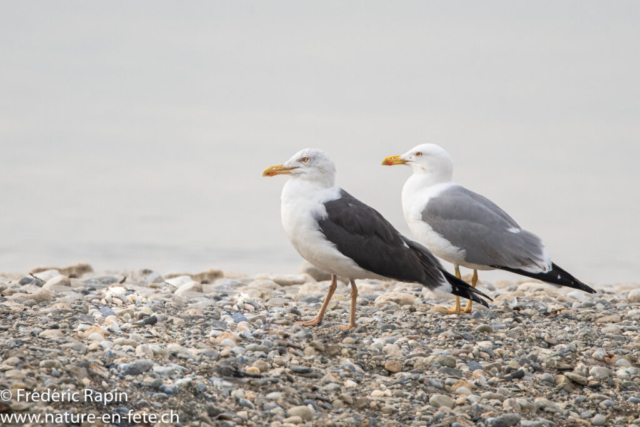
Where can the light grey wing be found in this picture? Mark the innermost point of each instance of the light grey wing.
(488, 235)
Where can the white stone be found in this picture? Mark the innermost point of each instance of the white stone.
(578, 295)
(51, 334)
(531, 287)
(598, 420)
(95, 337)
(174, 348)
(464, 391)
(624, 363)
(274, 396)
(547, 405)
(42, 295)
(399, 298)
(116, 290)
(311, 288)
(58, 280)
(511, 405)
(179, 281)
(599, 372)
(599, 354)
(292, 279)
(238, 394)
(293, 420)
(15, 374)
(47, 275)
(392, 350)
(144, 351)
(263, 284)
(304, 412)
(147, 276)
(634, 295)
(277, 302)
(188, 287)
(438, 400)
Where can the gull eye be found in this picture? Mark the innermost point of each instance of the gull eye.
(304, 160)
(419, 154)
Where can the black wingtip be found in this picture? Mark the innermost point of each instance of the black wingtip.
(464, 290)
(555, 276)
(477, 299)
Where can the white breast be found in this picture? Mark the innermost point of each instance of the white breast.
(302, 203)
(415, 196)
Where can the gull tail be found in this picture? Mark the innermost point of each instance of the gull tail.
(462, 289)
(555, 276)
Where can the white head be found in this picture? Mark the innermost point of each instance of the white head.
(309, 164)
(428, 159)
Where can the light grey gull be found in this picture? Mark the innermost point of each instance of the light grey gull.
(468, 229)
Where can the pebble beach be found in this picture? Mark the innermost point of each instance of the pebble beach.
(218, 348)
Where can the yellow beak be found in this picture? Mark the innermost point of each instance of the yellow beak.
(393, 160)
(277, 170)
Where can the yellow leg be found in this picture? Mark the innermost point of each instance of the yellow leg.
(354, 297)
(474, 282)
(318, 319)
(456, 309)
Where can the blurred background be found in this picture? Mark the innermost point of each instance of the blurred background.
(133, 134)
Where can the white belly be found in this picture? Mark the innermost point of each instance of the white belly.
(300, 225)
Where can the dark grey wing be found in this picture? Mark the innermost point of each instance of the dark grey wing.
(487, 234)
(359, 232)
(362, 234)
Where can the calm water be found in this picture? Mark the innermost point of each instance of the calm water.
(159, 210)
(143, 147)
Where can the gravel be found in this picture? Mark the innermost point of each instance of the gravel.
(222, 349)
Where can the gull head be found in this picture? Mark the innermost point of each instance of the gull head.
(309, 164)
(424, 158)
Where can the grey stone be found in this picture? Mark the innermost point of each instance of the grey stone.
(599, 420)
(438, 400)
(484, 328)
(578, 379)
(100, 282)
(138, 367)
(43, 295)
(599, 372)
(444, 360)
(189, 287)
(506, 420)
(304, 412)
(277, 302)
(56, 282)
